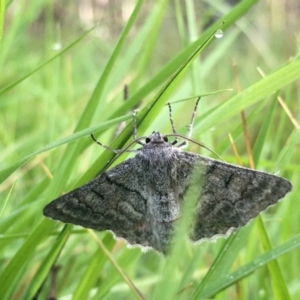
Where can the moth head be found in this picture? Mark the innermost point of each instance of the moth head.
(156, 138)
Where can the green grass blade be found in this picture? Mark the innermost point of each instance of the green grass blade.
(251, 95)
(101, 127)
(17, 82)
(21, 258)
(176, 62)
(279, 287)
(287, 150)
(224, 260)
(262, 135)
(48, 262)
(249, 268)
(97, 93)
(90, 278)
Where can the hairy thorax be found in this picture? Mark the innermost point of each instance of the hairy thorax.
(160, 166)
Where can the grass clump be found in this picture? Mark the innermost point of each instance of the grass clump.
(64, 79)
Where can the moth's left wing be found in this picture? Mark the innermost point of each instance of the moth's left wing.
(230, 195)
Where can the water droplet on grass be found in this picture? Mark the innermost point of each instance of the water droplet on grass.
(219, 33)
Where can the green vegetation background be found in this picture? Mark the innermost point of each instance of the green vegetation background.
(62, 78)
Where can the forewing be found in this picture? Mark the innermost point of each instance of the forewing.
(231, 195)
(112, 201)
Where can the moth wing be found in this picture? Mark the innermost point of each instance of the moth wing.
(112, 201)
(230, 195)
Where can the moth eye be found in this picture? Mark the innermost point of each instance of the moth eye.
(165, 138)
(148, 140)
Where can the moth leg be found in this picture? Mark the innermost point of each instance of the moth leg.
(117, 151)
(172, 124)
(190, 127)
(184, 143)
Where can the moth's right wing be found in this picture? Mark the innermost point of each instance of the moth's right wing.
(112, 201)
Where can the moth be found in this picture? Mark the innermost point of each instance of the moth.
(141, 199)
